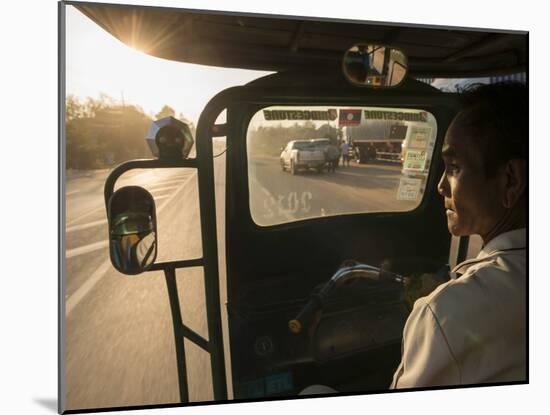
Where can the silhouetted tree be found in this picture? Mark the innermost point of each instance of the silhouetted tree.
(101, 132)
(166, 111)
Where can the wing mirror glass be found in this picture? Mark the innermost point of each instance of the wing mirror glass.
(132, 230)
(375, 65)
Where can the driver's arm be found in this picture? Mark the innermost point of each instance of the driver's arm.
(427, 359)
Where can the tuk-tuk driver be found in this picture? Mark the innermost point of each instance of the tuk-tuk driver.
(472, 329)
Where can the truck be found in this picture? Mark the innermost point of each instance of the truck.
(367, 150)
(384, 146)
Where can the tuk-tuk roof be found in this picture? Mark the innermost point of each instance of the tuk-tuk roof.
(264, 42)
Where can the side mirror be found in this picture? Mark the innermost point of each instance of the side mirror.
(132, 230)
(375, 65)
(169, 139)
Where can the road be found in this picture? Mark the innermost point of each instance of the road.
(119, 343)
(118, 340)
(278, 196)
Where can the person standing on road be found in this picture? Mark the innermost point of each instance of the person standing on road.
(332, 155)
(472, 329)
(344, 150)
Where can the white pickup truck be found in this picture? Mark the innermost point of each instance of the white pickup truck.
(302, 154)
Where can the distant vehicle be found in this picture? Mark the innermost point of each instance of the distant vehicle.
(321, 143)
(384, 147)
(366, 150)
(302, 154)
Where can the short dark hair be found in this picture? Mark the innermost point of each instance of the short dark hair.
(498, 115)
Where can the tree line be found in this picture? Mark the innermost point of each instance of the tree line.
(101, 133)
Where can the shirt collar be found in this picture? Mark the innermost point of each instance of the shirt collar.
(515, 239)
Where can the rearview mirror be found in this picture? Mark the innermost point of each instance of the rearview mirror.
(375, 65)
(132, 230)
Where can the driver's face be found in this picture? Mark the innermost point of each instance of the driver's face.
(471, 199)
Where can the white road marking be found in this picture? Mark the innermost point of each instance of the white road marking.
(92, 280)
(124, 180)
(86, 225)
(81, 250)
(72, 192)
(99, 245)
(85, 215)
(105, 266)
(172, 181)
(162, 189)
(161, 197)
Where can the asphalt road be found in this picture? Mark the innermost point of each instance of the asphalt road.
(118, 340)
(278, 196)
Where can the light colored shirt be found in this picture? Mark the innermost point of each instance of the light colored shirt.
(472, 329)
(344, 148)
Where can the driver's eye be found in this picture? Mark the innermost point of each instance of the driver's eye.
(452, 168)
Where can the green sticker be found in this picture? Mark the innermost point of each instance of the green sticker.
(415, 160)
(409, 189)
(419, 137)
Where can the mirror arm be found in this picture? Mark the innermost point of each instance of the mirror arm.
(141, 164)
(170, 276)
(177, 264)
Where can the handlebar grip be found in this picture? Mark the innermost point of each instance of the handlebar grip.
(303, 319)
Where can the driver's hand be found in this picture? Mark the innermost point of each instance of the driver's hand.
(419, 286)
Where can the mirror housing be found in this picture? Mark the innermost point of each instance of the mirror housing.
(169, 139)
(375, 66)
(132, 230)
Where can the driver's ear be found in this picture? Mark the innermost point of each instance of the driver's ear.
(515, 177)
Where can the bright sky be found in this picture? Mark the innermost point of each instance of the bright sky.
(97, 62)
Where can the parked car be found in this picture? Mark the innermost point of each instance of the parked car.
(302, 155)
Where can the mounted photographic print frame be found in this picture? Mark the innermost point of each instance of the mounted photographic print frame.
(255, 336)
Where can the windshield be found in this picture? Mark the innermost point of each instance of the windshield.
(373, 159)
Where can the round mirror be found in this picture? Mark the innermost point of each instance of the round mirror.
(374, 65)
(169, 139)
(132, 230)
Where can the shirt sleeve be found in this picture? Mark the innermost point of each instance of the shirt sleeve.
(427, 359)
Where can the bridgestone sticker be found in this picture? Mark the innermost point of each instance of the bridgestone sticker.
(282, 115)
(415, 160)
(409, 189)
(396, 115)
(419, 137)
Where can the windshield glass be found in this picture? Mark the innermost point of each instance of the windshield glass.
(369, 159)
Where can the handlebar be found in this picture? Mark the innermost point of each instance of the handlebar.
(305, 316)
(353, 269)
